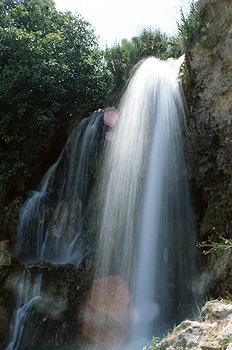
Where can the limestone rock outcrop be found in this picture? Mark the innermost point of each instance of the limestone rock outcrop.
(212, 331)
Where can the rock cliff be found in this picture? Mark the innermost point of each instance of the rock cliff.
(209, 128)
(210, 121)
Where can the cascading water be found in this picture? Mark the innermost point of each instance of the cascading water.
(28, 297)
(147, 233)
(166, 266)
(145, 251)
(50, 222)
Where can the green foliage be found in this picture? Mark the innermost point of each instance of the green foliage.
(174, 48)
(150, 43)
(186, 76)
(213, 246)
(154, 344)
(192, 28)
(115, 63)
(50, 69)
(121, 58)
(212, 314)
(225, 341)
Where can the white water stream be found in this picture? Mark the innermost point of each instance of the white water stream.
(28, 297)
(147, 234)
(50, 222)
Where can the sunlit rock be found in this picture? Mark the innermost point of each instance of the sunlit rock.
(211, 331)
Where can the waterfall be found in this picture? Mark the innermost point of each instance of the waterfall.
(142, 215)
(50, 222)
(166, 267)
(147, 234)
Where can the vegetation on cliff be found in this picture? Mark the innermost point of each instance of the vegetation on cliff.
(121, 58)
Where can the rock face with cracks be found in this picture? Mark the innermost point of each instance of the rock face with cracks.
(209, 130)
(209, 141)
(212, 331)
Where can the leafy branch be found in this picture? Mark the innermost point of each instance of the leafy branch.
(192, 29)
(223, 244)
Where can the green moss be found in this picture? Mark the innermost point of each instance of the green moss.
(225, 341)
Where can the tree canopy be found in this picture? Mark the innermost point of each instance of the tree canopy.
(52, 71)
(121, 58)
(51, 68)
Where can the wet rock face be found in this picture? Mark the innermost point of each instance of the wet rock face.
(58, 313)
(9, 267)
(209, 135)
(58, 319)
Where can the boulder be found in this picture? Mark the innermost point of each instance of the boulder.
(212, 331)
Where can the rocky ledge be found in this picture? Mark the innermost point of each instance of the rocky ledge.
(212, 331)
(58, 312)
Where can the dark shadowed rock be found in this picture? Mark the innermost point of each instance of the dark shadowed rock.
(59, 312)
(10, 270)
(209, 135)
